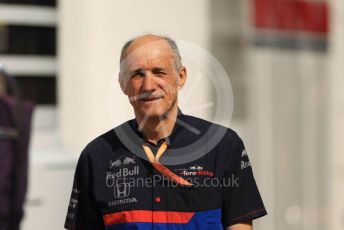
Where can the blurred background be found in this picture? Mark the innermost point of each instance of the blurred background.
(284, 59)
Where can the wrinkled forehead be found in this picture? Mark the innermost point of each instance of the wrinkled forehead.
(147, 53)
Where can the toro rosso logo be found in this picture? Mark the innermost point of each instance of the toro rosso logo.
(195, 170)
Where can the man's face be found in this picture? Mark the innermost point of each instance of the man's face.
(149, 76)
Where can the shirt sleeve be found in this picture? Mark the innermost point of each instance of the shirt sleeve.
(241, 199)
(82, 211)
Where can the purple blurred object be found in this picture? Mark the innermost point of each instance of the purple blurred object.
(14, 143)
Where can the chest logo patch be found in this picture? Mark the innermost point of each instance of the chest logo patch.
(195, 170)
(119, 170)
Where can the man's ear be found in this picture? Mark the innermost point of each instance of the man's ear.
(122, 83)
(182, 75)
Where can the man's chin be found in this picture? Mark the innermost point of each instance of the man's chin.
(157, 111)
(154, 113)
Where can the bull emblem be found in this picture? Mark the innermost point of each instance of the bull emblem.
(129, 160)
(115, 163)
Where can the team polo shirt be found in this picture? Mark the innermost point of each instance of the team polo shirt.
(116, 187)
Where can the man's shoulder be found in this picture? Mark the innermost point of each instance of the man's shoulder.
(105, 141)
(205, 125)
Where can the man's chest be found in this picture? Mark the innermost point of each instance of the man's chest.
(124, 181)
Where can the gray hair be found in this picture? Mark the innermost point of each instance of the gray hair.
(170, 41)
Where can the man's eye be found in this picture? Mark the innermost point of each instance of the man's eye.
(137, 74)
(160, 73)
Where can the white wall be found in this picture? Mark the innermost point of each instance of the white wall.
(297, 117)
(335, 209)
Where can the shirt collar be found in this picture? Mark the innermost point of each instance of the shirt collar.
(169, 140)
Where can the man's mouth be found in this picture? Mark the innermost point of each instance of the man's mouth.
(147, 99)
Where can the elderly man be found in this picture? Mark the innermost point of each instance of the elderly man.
(140, 176)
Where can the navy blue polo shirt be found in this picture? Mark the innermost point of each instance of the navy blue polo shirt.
(116, 187)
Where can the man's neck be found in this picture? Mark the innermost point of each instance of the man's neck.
(156, 128)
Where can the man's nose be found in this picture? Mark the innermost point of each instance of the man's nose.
(148, 83)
